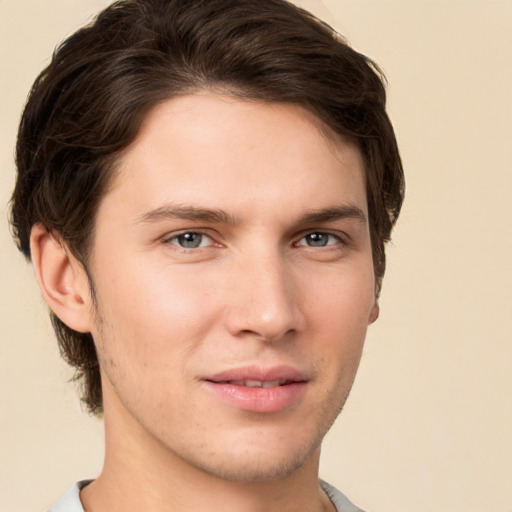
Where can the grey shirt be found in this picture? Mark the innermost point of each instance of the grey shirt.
(70, 502)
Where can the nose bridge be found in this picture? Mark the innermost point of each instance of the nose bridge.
(264, 303)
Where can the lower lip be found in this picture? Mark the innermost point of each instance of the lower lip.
(261, 400)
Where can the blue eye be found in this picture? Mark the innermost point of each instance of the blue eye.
(319, 239)
(190, 240)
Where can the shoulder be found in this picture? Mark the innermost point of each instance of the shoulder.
(339, 500)
(70, 502)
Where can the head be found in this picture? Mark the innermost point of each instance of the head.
(87, 108)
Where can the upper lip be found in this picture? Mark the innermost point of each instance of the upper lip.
(259, 373)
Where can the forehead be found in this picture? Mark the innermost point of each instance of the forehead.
(218, 150)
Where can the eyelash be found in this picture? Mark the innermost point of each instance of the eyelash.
(338, 239)
(174, 239)
(176, 236)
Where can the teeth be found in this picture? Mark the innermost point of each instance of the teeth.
(257, 383)
(253, 383)
(270, 384)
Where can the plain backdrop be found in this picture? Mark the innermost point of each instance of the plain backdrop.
(428, 426)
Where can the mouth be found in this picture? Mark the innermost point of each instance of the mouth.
(257, 389)
(257, 383)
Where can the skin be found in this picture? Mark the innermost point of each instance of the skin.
(268, 284)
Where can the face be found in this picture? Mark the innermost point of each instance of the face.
(234, 282)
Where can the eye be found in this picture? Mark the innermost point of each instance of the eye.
(319, 239)
(190, 240)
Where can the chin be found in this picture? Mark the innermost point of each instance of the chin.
(254, 469)
(261, 450)
(258, 457)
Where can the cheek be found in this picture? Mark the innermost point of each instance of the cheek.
(342, 299)
(339, 312)
(149, 312)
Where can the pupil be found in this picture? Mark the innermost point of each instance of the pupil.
(190, 240)
(317, 239)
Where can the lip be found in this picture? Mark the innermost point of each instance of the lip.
(258, 399)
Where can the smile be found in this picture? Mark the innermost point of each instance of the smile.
(258, 383)
(258, 390)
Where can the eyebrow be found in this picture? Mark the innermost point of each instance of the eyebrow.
(186, 213)
(194, 213)
(349, 211)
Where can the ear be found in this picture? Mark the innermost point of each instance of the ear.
(374, 313)
(62, 279)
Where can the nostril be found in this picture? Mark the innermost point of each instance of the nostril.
(264, 308)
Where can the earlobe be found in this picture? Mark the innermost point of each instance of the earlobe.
(62, 280)
(374, 313)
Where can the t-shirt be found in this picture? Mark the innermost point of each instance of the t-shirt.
(70, 502)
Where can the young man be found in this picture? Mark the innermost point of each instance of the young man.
(205, 189)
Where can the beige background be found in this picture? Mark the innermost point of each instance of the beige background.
(429, 424)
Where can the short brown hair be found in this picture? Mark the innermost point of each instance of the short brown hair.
(87, 106)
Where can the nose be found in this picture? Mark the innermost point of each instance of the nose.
(264, 302)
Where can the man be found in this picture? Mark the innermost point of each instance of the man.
(205, 189)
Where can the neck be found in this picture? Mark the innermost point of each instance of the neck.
(139, 473)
